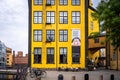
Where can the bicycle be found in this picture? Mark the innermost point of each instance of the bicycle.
(37, 73)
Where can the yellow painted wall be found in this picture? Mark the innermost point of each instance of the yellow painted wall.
(9, 59)
(56, 26)
(94, 28)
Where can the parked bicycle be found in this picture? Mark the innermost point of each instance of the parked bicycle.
(37, 73)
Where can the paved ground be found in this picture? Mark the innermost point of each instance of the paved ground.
(93, 75)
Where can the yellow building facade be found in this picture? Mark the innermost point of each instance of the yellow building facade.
(58, 33)
(9, 57)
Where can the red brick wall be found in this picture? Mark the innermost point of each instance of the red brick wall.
(20, 59)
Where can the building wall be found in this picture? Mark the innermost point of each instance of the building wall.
(19, 59)
(80, 28)
(114, 58)
(2, 55)
(9, 57)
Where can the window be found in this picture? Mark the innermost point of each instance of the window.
(63, 55)
(75, 2)
(50, 55)
(37, 35)
(7, 58)
(96, 40)
(37, 55)
(75, 54)
(63, 35)
(50, 35)
(50, 17)
(50, 2)
(91, 25)
(63, 2)
(37, 17)
(37, 2)
(76, 17)
(64, 17)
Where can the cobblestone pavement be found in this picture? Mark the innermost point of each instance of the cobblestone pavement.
(69, 75)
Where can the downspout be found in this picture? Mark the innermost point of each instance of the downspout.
(29, 31)
(86, 31)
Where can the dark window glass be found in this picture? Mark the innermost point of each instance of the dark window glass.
(96, 40)
(37, 55)
(63, 55)
(75, 54)
(50, 35)
(50, 55)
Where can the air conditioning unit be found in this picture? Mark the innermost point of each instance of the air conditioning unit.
(49, 39)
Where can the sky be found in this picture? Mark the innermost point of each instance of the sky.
(14, 24)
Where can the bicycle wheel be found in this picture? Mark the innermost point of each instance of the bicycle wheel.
(32, 74)
(43, 74)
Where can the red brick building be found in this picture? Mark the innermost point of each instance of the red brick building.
(19, 59)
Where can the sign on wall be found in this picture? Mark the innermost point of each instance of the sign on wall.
(76, 37)
(76, 43)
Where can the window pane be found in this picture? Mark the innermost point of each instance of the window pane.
(61, 13)
(37, 2)
(48, 19)
(52, 13)
(35, 37)
(35, 13)
(73, 2)
(65, 20)
(65, 13)
(61, 1)
(39, 20)
(48, 32)
(78, 20)
(52, 2)
(77, 13)
(48, 2)
(52, 32)
(48, 13)
(61, 38)
(65, 2)
(65, 50)
(65, 37)
(61, 19)
(52, 51)
(65, 32)
(52, 19)
(73, 19)
(61, 50)
(61, 32)
(39, 32)
(77, 2)
(39, 13)
(73, 13)
(39, 38)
